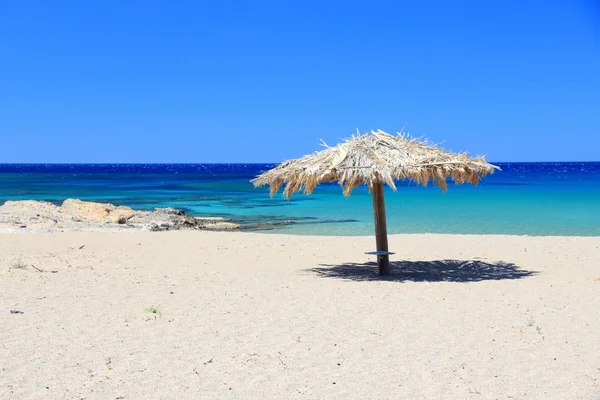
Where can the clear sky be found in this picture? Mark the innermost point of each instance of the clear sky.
(262, 81)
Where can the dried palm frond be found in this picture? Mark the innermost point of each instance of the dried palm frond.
(371, 158)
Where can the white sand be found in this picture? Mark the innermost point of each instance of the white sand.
(243, 316)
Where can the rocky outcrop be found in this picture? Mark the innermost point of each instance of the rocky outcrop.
(30, 206)
(80, 215)
(96, 212)
(164, 219)
(20, 214)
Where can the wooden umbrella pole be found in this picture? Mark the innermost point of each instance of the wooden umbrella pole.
(383, 261)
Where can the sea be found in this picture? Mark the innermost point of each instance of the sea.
(549, 199)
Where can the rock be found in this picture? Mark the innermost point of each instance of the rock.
(170, 210)
(32, 207)
(95, 212)
(36, 215)
(154, 227)
(164, 219)
(216, 223)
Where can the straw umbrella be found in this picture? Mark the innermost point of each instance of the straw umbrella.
(375, 159)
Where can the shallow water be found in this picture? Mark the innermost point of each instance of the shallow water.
(523, 198)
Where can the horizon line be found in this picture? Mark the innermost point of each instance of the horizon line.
(246, 163)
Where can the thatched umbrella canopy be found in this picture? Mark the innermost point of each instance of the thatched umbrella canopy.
(374, 159)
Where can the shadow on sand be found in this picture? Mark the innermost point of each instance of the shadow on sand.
(426, 271)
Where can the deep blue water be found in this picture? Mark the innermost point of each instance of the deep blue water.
(523, 198)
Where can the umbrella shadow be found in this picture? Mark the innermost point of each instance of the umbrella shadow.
(426, 271)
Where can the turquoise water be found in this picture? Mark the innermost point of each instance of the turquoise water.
(523, 198)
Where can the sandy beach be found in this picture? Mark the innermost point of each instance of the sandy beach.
(170, 315)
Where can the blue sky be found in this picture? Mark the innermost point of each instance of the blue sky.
(254, 81)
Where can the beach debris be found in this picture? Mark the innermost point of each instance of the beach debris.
(81, 247)
(41, 270)
(281, 360)
(36, 268)
(17, 312)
